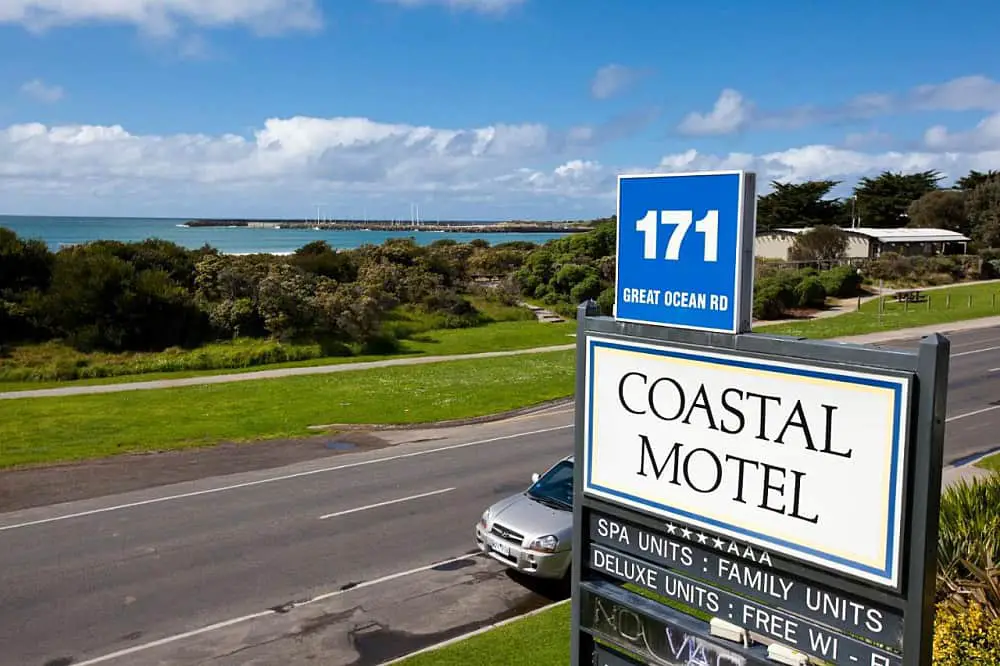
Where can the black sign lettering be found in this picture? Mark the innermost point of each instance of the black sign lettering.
(797, 633)
(732, 411)
(769, 487)
(749, 573)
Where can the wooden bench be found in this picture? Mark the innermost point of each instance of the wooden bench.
(908, 296)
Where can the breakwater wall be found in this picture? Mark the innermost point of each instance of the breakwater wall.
(390, 225)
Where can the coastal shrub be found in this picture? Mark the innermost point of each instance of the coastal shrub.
(55, 362)
(841, 281)
(589, 287)
(767, 301)
(921, 270)
(606, 301)
(810, 292)
(381, 344)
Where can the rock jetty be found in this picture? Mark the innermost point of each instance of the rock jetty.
(390, 225)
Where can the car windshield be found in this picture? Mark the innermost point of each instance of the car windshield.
(555, 486)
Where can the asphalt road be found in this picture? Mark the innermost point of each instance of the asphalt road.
(300, 562)
(973, 425)
(123, 571)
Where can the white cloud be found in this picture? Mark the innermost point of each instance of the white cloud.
(612, 79)
(161, 17)
(985, 135)
(733, 111)
(282, 167)
(481, 6)
(730, 113)
(967, 93)
(43, 92)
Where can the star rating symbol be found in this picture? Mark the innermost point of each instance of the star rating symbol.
(686, 533)
(718, 543)
(671, 528)
(702, 538)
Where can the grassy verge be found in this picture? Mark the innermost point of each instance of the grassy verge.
(541, 640)
(991, 463)
(545, 636)
(90, 426)
(940, 306)
(29, 367)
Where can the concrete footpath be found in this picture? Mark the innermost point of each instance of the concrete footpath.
(266, 374)
(869, 338)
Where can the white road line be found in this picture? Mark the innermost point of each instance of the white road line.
(386, 503)
(993, 370)
(973, 413)
(256, 616)
(975, 351)
(285, 477)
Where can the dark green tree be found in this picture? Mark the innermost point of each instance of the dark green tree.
(883, 201)
(796, 205)
(974, 179)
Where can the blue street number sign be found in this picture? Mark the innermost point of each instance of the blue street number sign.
(685, 250)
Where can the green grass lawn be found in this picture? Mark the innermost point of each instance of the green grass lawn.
(42, 359)
(540, 640)
(935, 309)
(991, 463)
(46, 430)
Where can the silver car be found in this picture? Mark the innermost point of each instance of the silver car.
(532, 531)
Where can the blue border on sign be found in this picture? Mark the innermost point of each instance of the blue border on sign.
(897, 388)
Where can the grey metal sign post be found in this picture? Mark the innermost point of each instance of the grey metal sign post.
(745, 498)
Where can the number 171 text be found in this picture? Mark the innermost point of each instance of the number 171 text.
(681, 221)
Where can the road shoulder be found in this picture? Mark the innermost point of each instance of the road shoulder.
(39, 486)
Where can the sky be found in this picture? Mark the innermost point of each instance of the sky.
(474, 109)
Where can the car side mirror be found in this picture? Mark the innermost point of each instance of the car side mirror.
(534, 477)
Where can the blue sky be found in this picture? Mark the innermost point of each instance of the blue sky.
(489, 109)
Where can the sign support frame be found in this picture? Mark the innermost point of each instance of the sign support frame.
(929, 367)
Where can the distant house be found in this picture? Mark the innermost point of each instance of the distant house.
(868, 243)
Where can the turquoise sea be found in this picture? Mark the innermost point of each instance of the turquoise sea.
(60, 231)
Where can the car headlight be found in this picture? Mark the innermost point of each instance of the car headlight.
(484, 519)
(545, 544)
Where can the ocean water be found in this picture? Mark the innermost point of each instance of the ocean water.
(57, 232)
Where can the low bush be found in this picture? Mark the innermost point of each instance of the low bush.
(841, 282)
(967, 623)
(922, 270)
(966, 636)
(55, 362)
(767, 301)
(810, 292)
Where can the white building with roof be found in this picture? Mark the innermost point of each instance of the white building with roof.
(868, 242)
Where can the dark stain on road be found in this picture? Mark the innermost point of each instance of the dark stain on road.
(455, 565)
(312, 625)
(134, 636)
(376, 644)
(60, 661)
(340, 445)
(349, 586)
